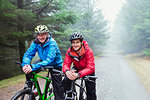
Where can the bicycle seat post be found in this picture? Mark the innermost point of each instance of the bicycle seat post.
(48, 73)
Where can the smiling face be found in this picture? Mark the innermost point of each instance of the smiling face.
(42, 37)
(76, 44)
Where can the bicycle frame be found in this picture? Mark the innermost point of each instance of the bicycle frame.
(48, 82)
(73, 90)
(34, 80)
(73, 84)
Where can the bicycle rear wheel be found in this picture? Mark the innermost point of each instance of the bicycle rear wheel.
(24, 94)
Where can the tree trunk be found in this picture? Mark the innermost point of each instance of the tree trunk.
(20, 28)
(21, 49)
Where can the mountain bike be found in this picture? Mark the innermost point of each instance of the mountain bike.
(78, 88)
(27, 92)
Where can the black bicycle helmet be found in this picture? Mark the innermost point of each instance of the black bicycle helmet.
(76, 35)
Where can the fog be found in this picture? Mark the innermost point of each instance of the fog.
(128, 25)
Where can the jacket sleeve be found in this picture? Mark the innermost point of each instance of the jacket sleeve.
(90, 68)
(50, 57)
(29, 54)
(67, 63)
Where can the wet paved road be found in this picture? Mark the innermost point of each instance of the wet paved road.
(117, 81)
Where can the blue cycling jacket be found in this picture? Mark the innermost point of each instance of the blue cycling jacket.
(48, 53)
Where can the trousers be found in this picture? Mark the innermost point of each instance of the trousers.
(90, 87)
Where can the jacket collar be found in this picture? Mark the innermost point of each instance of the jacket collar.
(73, 54)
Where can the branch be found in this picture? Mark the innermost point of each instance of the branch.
(29, 4)
(43, 8)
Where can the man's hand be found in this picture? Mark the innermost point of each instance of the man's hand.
(72, 75)
(27, 69)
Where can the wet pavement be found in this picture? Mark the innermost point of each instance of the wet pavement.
(117, 80)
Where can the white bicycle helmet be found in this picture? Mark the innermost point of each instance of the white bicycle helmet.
(41, 29)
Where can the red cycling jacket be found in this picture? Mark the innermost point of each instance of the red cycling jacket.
(84, 63)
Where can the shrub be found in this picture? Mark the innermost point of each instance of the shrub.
(146, 52)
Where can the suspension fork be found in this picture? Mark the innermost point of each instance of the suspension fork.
(81, 90)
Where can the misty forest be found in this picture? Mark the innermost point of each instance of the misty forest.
(18, 18)
(126, 40)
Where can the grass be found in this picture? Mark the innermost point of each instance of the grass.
(12, 81)
(141, 65)
(15, 80)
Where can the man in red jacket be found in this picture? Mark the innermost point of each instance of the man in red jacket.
(83, 60)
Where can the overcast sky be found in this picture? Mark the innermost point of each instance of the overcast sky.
(110, 8)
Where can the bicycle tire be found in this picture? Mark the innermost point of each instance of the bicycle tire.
(50, 92)
(24, 94)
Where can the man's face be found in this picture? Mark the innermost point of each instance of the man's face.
(76, 44)
(42, 37)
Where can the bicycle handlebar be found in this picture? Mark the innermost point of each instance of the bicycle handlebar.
(60, 72)
(94, 77)
(86, 78)
(41, 69)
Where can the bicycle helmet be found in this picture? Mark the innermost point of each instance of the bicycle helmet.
(76, 35)
(41, 29)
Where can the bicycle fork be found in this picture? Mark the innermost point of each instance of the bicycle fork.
(81, 91)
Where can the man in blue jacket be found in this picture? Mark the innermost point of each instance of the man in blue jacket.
(49, 54)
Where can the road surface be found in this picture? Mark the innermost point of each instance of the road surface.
(117, 80)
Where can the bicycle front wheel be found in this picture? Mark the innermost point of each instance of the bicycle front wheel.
(83, 94)
(24, 94)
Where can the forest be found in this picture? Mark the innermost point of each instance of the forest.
(132, 27)
(18, 18)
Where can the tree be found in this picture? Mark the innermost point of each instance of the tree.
(23, 15)
(90, 23)
(134, 23)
